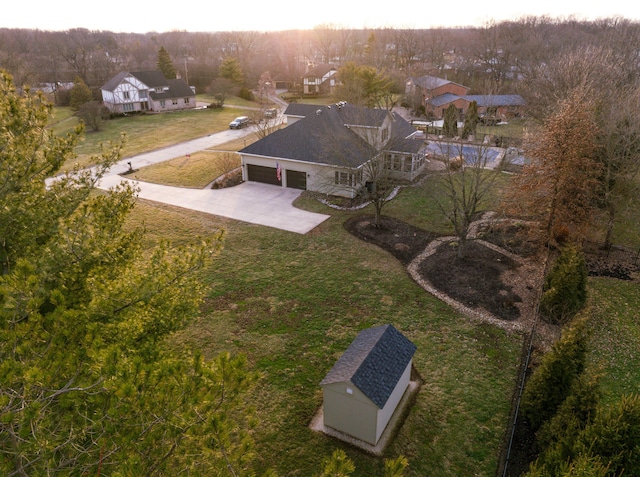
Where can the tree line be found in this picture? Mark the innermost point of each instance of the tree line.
(492, 59)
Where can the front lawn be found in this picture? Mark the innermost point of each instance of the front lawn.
(145, 132)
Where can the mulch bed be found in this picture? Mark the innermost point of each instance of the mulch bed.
(486, 279)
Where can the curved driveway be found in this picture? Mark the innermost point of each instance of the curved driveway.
(251, 202)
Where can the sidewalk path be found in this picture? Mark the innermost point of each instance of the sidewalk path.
(250, 202)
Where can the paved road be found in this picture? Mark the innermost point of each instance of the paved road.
(251, 202)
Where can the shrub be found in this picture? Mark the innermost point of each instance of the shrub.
(552, 381)
(614, 436)
(246, 93)
(565, 287)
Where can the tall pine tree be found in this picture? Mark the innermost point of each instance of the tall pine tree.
(165, 64)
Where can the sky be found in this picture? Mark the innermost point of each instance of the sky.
(146, 16)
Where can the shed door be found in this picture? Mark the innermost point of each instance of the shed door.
(297, 179)
(263, 174)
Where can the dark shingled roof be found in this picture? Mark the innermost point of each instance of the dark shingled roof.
(432, 82)
(324, 136)
(482, 100)
(374, 362)
(178, 88)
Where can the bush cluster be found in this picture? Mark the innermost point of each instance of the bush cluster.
(565, 287)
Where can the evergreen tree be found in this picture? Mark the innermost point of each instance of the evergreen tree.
(565, 286)
(552, 381)
(79, 94)
(470, 120)
(165, 64)
(450, 123)
(230, 69)
(87, 386)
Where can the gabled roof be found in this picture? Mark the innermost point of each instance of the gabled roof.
(320, 70)
(496, 100)
(324, 135)
(178, 88)
(153, 79)
(374, 363)
(482, 100)
(300, 109)
(115, 81)
(431, 82)
(443, 99)
(321, 137)
(172, 88)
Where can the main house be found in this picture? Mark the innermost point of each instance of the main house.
(327, 149)
(364, 387)
(437, 94)
(147, 91)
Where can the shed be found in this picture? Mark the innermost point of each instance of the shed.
(364, 387)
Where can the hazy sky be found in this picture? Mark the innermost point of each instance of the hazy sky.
(227, 15)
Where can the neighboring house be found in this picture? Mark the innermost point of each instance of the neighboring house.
(147, 91)
(320, 79)
(438, 94)
(326, 149)
(428, 87)
(364, 387)
(500, 106)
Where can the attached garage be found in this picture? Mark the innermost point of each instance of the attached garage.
(267, 175)
(296, 179)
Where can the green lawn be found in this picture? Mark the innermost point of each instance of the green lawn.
(145, 132)
(196, 171)
(615, 341)
(293, 303)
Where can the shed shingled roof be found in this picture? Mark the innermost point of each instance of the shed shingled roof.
(374, 363)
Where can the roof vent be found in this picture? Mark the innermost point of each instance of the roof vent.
(318, 112)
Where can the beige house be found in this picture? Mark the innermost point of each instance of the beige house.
(364, 387)
(327, 149)
(129, 92)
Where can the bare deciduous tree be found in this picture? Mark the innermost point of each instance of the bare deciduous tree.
(469, 176)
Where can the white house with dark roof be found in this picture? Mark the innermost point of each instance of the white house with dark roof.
(147, 91)
(364, 387)
(326, 149)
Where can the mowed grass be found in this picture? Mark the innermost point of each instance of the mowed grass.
(195, 171)
(144, 132)
(615, 340)
(293, 303)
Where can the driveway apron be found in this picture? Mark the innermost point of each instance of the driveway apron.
(251, 202)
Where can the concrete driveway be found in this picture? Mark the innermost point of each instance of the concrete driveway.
(250, 202)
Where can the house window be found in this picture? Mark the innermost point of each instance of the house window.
(348, 178)
(125, 95)
(162, 103)
(186, 100)
(158, 90)
(407, 164)
(127, 107)
(143, 94)
(385, 134)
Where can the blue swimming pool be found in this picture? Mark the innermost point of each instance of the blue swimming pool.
(471, 154)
